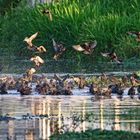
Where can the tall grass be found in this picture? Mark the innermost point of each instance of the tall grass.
(74, 22)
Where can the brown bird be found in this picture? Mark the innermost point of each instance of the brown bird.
(37, 60)
(59, 49)
(40, 49)
(112, 56)
(135, 34)
(48, 13)
(86, 48)
(31, 46)
(29, 40)
(29, 73)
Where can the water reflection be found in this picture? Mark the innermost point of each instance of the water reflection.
(44, 116)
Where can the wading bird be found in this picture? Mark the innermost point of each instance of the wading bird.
(86, 48)
(59, 49)
(37, 60)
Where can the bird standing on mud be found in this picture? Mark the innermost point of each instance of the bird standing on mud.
(31, 46)
(59, 49)
(86, 48)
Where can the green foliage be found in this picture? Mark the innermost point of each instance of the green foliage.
(74, 22)
(7, 5)
(96, 134)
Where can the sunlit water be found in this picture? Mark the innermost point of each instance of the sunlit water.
(50, 114)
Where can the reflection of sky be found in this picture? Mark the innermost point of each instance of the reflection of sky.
(66, 113)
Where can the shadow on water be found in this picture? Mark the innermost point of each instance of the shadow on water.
(38, 117)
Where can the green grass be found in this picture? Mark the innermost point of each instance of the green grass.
(74, 22)
(97, 134)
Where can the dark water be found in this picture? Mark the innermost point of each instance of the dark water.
(45, 115)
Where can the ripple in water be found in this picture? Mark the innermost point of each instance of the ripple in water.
(38, 117)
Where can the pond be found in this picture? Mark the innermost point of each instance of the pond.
(37, 117)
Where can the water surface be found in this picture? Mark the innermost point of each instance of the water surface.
(38, 117)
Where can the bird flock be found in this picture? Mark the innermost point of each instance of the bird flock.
(62, 85)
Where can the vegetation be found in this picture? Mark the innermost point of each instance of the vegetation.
(96, 135)
(74, 22)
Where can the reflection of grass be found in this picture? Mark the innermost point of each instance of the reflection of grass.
(97, 135)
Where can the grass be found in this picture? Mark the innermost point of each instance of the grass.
(96, 134)
(74, 22)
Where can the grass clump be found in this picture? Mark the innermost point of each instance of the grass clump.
(74, 22)
(96, 134)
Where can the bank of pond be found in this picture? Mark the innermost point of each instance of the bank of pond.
(97, 134)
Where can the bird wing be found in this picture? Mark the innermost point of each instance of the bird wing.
(93, 44)
(87, 52)
(33, 36)
(50, 16)
(55, 45)
(78, 48)
(41, 49)
(105, 54)
(39, 59)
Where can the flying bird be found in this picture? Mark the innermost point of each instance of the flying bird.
(29, 40)
(86, 48)
(112, 56)
(135, 34)
(41, 49)
(59, 49)
(31, 46)
(30, 71)
(48, 13)
(37, 60)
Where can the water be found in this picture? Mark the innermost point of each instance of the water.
(12, 64)
(50, 114)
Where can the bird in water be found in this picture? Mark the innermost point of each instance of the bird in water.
(31, 46)
(86, 48)
(112, 56)
(48, 13)
(59, 49)
(135, 34)
(37, 60)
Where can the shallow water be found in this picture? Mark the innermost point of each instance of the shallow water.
(45, 115)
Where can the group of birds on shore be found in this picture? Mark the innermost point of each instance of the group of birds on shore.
(100, 86)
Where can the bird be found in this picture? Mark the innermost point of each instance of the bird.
(59, 49)
(30, 71)
(31, 46)
(135, 34)
(112, 56)
(29, 74)
(48, 13)
(86, 48)
(37, 60)
(41, 49)
(29, 40)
